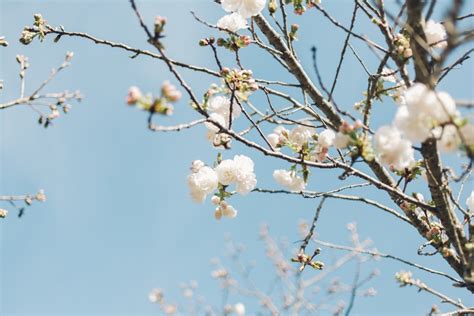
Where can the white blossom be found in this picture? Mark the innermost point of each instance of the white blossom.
(278, 137)
(134, 94)
(392, 149)
(341, 140)
(232, 22)
(240, 171)
(226, 171)
(470, 202)
(435, 34)
(415, 126)
(326, 138)
(246, 180)
(221, 105)
(202, 183)
(424, 110)
(246, 8)
(196, 165)
(289, 179)
(300, 135)
(274, 140)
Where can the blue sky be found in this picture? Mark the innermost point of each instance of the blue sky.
(119, 220)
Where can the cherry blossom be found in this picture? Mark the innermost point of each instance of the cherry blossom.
(435, 34)
(326, 138)
(246, 8)
(232, 22)
(289, 179)
(202, 182)
(392, 149)
(300, 135)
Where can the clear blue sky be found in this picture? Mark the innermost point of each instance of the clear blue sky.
(118, 220)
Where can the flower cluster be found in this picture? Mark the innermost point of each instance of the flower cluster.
(238, 171)
(305, 260)
(402, 44)
(423, 113)
(309, 145)
(204, 180)
(39, 29)
(240, 82)
(239, 10)
(424, 110)
(161, 105)
(404, 278)
(234, 43)
(393, 150)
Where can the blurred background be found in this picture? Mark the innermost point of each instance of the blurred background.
(119, 220)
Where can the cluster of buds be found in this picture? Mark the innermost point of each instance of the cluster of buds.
(234, 43)
(60, 104)
(350, 135)
(306, 260)
(40, 197)
(404, 278)
(300, 6)
(28, 199)
(160, 23)
(39, 29)
(23, 62)
(219, 140)
(272, 6)
(207, 41)
(3, 41)
(347, 134)
(402, 44)
(240, 81)
(161, 105)
(293, 29)
(223, 208)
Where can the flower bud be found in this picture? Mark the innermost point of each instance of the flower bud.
(215, 200)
